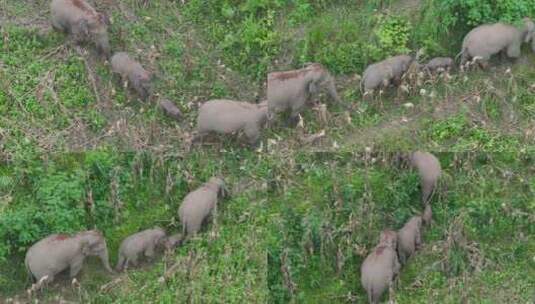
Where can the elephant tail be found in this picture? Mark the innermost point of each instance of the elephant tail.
(31, 278)
(463, 54)
(361, 84)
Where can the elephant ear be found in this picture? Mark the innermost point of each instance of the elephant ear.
(312, 88)
(223, 191)
(86, 248)
(83, 28)
(530, 30)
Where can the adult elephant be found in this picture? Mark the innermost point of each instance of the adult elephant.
(489, 39)
(57, 252)
(290, 90)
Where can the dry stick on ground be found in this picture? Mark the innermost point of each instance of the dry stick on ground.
(285, 269)
(108, 286)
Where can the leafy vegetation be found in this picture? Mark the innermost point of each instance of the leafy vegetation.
(78, 150)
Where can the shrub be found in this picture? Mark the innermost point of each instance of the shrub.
(443, 23)
(345, 44)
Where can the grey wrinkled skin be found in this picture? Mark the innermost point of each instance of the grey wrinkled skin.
(490, 39)
(199, 204)
(427, 216)
(132, 71)
(170, 109)
(409, 238)
(174, 241)
(144, 242)
(380, 267)
(429, 170)
(291, 90)
(386, 72)
(445, 63)
(57, 252)
(227, 116)
(79, 19)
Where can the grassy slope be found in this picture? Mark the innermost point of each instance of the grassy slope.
(48, 103)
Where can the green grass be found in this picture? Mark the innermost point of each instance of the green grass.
(75, 154)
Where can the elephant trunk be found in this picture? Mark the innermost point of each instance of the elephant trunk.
(105, 260)
(103, 44)
(331, 88)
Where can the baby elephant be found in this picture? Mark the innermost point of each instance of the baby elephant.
(199, 204)
(380, 267)
(227, 116)
(409, 238)
(80, 20)
(439, 64)
(144, 242)
(132, 71)
(386, 72)
(429, 169)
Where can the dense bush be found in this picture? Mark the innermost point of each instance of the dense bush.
(243, 30)
(443, 23)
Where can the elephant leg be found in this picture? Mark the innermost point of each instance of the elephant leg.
(402, 258)
(76, 266)
(513, 51)
(194, 227)
(149, 252)
(253, 134)
(199, 137)
(133, 260)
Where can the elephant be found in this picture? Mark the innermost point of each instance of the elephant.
(132, 71)
(199, 204)
(429, 170)
(82, 22)
(169, 108)
(174, 241)
(144, 242)
(386, 72)
(57, 252)
(291, 90)
(227, 116)
(409, 238)
(380, 267)
(489, 39)
(439, 63)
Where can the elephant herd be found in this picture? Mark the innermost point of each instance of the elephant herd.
(381, 267)
(59, 252)
(287, 91)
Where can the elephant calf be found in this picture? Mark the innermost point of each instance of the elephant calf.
(199, 204)
(291, 90)
(429, 169)
(380, 267)
(80, 20)
(228, 116)
(383, 73)
(132, 71)
(57, 252)
(435, 64)
(144, 242)
(409, 238)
